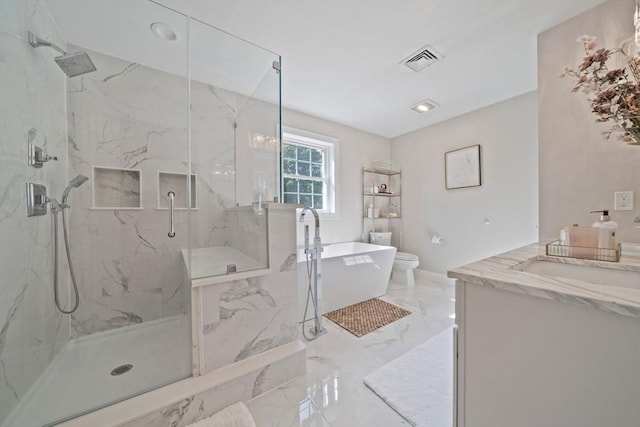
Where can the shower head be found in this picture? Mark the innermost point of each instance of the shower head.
(74, 183)
(73, 64)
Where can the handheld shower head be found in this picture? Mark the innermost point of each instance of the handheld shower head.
(78, 181)
(74, 183)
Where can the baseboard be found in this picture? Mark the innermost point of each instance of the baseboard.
(433, 276)
(187, 401)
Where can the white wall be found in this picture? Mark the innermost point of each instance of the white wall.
(508, 197)
(356, 149)
(579, 169)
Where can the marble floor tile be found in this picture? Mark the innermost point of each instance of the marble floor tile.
(332, 392)
(288, 405)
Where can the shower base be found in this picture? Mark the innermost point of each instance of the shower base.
(79, 378)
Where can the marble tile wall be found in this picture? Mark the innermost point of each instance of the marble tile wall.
(213, 113)
(264, 308)
(248, 233)
(32, 109)
(125, 116)
(116, 188)
(130, 116)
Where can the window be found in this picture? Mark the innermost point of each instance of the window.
(308, 170)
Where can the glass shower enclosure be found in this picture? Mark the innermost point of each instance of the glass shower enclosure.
(154, 169)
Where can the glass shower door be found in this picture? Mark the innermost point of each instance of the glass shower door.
(124, 127)
(170, 144)
(235, 142)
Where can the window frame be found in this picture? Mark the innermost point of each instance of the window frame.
(329, 146)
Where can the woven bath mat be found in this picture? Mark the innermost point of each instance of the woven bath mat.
(366, 316)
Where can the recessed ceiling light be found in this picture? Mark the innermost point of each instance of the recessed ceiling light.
(163, 31)
(424, 106)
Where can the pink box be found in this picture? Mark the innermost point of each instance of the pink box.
(583, 241)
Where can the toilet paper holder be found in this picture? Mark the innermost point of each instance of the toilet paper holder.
(436, 240)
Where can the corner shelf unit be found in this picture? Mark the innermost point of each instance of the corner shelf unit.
(387, 206)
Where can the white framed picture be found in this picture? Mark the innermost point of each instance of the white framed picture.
(462, 168)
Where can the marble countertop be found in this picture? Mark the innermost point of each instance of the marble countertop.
(502, 272)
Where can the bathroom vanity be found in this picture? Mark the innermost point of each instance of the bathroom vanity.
(547, 341)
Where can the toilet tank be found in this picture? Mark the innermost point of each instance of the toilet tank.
(378, 238)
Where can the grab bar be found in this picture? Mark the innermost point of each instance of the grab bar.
(172, 199)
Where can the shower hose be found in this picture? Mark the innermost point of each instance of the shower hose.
(309, 295)
(55, 261)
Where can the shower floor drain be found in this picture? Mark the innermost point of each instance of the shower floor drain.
(122, 369)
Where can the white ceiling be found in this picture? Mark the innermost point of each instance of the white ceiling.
(340, 58)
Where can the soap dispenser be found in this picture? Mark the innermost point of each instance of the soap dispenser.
(607, 230)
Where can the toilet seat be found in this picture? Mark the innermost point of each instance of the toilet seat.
(405, 256)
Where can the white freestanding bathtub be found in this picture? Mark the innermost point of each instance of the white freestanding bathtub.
(352, 272)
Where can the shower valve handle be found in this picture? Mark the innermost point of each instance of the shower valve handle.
(36, 156)
(44, 157)
(172, 199)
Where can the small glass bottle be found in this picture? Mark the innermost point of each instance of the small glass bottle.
(259, 195)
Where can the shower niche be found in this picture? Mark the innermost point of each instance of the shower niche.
(177, 182)
(115, 188)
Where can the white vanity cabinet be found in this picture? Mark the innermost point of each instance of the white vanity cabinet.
(543, 352)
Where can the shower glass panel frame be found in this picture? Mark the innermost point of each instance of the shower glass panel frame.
(154, 118)
(235, 123)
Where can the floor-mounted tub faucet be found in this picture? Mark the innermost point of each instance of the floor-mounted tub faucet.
(313, 257)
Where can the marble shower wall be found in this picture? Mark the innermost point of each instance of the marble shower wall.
(248, 233)
(32, 109)
(128, 116)
(213, 112)
(125, 116)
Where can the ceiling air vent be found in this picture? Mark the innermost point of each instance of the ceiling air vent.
(422, 58)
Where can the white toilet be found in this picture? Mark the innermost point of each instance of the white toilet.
(403, 264)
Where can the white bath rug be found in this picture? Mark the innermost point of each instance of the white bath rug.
(236, 415)
(419, 384)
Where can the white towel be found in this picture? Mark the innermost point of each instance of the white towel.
(236, 415)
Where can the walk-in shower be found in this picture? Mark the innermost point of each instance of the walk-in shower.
(191, 116)
(73, 64)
